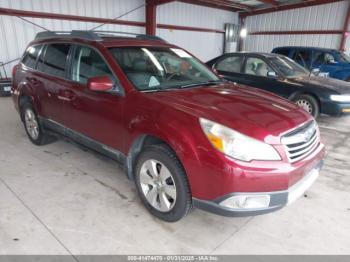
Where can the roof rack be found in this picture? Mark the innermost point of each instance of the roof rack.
(127, 34)
(94, 35)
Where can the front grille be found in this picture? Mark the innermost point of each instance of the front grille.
(301, 142)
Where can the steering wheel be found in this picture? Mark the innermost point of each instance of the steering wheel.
(172, 75)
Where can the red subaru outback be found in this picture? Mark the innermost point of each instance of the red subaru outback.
(186, 137)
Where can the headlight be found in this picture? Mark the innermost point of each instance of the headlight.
(340, 98)
(235, 144)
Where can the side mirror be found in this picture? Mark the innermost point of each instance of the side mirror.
(100, 83)
(272, 74)
(331, 61)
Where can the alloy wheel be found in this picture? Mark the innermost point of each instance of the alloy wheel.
(31, 124)
(158, 185)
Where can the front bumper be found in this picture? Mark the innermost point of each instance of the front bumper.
(335, 108)
(278, 199)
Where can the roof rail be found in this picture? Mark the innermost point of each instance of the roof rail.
(89, 35)
(120, 34)
(93, 35)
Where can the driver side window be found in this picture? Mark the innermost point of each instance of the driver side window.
(258, 67)
(88, 63)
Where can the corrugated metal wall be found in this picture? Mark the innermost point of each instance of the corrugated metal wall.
(204, 45)
(322, 17)
(15, 34)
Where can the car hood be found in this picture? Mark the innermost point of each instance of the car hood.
(339, 86)
(250, 111)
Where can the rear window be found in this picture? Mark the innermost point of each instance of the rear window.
(54, 60)
(31, 55)
(283, 51)
(230, 64)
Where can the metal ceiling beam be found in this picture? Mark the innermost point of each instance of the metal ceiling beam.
(220, 4)
(162, 2)
(288, 7)
(269, 2)
(298, 32)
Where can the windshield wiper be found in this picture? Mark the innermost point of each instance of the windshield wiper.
(207, 83)
(158, 89)
(162, 89)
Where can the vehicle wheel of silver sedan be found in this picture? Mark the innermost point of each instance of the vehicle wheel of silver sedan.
(162, 183)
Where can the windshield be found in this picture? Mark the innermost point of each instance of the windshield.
(288, 67)
(344, 58)
(150, 68)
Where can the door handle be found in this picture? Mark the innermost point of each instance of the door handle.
(69, 94)
(63, 98)
(32, 80)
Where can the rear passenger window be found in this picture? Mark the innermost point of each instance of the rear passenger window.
(230, 64)
(54, 60)
(88, 63)
(30, 56)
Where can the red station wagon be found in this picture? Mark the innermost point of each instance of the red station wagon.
(186, 137)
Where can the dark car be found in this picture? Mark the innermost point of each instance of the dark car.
(281, 75)
(323, 61)
(184, 136)
(5, 87)
(5, 83)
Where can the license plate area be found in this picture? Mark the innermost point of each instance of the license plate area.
(298, 189)
(7, 88)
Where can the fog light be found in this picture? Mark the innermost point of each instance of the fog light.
(247, 202)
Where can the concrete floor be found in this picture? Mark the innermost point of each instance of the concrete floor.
(60, 199)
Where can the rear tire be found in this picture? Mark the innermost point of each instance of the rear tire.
(32, 125)
(162, 183)
(309, 104)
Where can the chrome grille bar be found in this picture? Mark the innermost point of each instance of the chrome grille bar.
(301, 142)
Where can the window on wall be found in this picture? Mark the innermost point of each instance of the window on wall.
(31, 55)
(54, 60)
(230, 64)
(88, 63)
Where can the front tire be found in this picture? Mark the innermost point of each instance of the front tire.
(32, 125)
(162, 183)
(309, 104)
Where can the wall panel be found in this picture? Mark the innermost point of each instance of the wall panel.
(16, 34)
(322, 17)
(203, 45)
